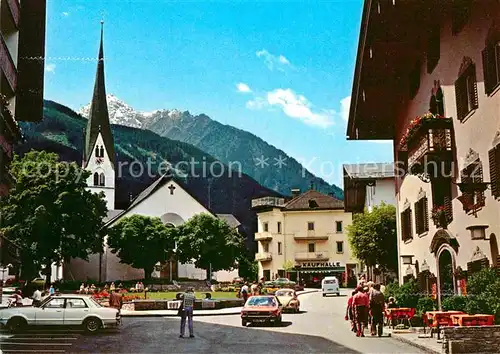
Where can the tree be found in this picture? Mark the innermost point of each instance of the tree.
(288, 266)
(209, 243)
(142, 241)
(248, 268)
(49, 214)
(373, 239)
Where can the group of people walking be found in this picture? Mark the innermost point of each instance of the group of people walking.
(367, 305)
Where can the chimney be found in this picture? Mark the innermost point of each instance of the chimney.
(295, 192)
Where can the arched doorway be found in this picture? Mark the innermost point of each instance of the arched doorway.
(446, 278)
(170, 269)
(494, 250)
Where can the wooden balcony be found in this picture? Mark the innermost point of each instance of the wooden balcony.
(263, 236)
(263, 257)
(430, 149)
(312, 256)
(7, 65)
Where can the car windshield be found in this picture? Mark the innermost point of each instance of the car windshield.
(283, 280)
(261, 301)
(331, 281)
(284, 293)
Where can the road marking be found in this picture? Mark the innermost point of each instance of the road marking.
(13, 343)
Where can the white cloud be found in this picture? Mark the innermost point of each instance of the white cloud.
(50, 68)
(278, 62)
(294, 106)
(242, 87)
(65, 14)
(345, 106)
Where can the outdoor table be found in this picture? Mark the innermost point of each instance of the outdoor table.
(464, 320)
(440, 318)
(401, 314)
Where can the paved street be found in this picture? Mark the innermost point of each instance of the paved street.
(319, 329)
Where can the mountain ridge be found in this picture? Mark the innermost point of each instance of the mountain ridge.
(226, 143)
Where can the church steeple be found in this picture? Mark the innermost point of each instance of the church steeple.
(99, 118)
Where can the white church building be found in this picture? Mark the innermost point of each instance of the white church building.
(167, 198)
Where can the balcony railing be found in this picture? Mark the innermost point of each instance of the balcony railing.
(311, 256)
(263, 236)
(268, 202)
(310, 237)
(263, 257)
(430, 148)
(7, 65)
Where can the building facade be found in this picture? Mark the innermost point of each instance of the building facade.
(304, 238)
(443, 67)
(367, 185)
(22, 51)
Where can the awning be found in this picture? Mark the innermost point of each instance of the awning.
(321, 270)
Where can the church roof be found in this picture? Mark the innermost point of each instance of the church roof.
(313, 200)
(160, 182)
(99, 116)
(112, 214)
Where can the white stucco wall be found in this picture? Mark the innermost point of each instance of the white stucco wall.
(382, 191)
(295, 223)
(477, 132)
(109, 172)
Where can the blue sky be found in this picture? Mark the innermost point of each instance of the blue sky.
(281, 70)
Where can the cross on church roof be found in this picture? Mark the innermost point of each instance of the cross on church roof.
(172, 188)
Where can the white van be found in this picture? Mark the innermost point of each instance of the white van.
(330, 285)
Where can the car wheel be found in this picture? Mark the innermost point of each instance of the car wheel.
(338, 294)
(92, 325)
(324, 295)
(278, 322)
(16, 324)
(243, 323)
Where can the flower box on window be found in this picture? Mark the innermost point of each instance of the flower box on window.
(439, 217)
(428, 141)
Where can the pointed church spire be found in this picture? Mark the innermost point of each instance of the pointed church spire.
(99, 118)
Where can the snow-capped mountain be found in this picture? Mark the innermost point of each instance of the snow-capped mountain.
(122, 114)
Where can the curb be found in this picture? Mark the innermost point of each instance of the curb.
(201, 314)
(400, 338)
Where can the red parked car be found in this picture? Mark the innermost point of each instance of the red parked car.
(262, 309)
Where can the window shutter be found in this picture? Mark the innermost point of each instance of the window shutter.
(426, 214)
(447, 202)
(492, 156)
(496, 62)
(488, 69)
(473, 90)
(461, 97)
(410, 229)
(417, 217)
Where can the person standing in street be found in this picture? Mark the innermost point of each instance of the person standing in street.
(350, 312)
(244, 292)
(361, 302)
(377, 305)
(115, 300)
(188, 299)
(37, 297)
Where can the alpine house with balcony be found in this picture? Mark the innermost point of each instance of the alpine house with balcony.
(305, 237)
(427, 76)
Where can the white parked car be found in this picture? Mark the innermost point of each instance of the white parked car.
(330, 285)
(66, 310)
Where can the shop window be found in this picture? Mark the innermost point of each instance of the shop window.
(466, 89)
(266, 227)
(494, 160)
(280, 251)
(421, 215)
(473, 173)
(461, 10)
(279, 227)
(311, 248)
(491, 62)
(406, 229)
(340, 246)
(338, 227)
(433, 47)
(310, 226)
